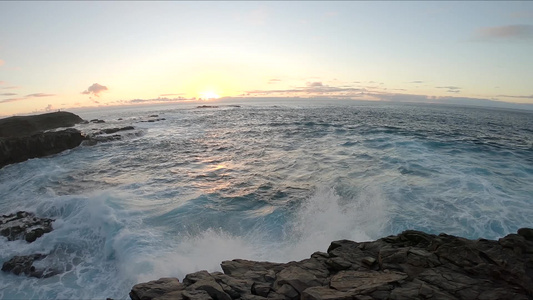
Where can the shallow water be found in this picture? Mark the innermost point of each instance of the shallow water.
(264, 181)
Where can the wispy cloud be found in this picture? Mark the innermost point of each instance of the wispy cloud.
(2, 62)
(95, 90)
(517, 96)
(417, 81)
(38, 95)
(158, 100)
(12, 100)
(9, 88)
(310, 89)
(166, 95)
(274, 80)
(503, 33)
(450, 88)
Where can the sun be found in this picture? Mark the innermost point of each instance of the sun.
(208, 95)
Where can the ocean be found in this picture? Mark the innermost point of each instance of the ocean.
(261, 180)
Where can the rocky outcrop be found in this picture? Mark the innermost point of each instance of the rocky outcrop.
(20, 265)
(411, 265)
(22, 138)
(24, 226)
(28, 125)
(105, 135)
(18, 149)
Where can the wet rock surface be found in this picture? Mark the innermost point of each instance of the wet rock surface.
(24, 226)
(411, 265)
(105, 135)
(24, 265)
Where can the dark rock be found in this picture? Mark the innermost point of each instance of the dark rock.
(113, 130)
(527, 233)
(28, 125)
(411, 265)
(101, 136)
(97, 121)
(207, 106)
(20, 265)
(18, 149)
(153, 120)
(24, 226)
(156, 288)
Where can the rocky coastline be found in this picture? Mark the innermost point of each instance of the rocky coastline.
(410, 265)
(26, 137)
(22, 138)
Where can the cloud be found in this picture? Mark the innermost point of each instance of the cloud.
(11, 100)
(166, 95)
(49, 107)
(417, 81)
(450, 88)
(95, 90)
(9, 88)
(2, 62)
(273, 80)
(310, 89)
(38, 95)
(500, 33)
(158, 100)
(517, 96)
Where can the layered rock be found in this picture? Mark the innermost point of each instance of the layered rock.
(411, 265)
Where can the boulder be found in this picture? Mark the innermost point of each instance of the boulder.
(24, 226)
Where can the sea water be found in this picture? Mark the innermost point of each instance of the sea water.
(263, 181)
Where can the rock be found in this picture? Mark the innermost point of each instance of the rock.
(527, 233)
(113, 130)
(19, 265)
(366, 280)
(156, 288)
(207, 106)
(24, 226)
(101, 136)
(325, 293)
(410, 265)
(18, 149)
(369, 261)
(29, 125)
(153, 120)
(97, 121)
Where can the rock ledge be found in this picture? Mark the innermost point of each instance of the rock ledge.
(411, 265)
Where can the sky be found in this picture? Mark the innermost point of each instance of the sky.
(61, 55)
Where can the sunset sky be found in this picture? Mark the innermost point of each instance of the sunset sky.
(60, 55)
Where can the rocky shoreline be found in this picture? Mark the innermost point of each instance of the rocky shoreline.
(410, 265)
(23, 138)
